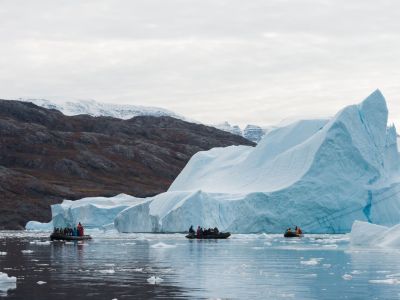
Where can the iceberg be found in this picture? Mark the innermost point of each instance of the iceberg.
(7, 283)
(364, 234)
(38, 226)
(319, 174)
(93, 212)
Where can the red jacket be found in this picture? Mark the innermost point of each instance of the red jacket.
(80, 230)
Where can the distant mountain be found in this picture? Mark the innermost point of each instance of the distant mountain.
(225, 126)
(93, 108)
(254, 133)
(46, 157)
(96, 109)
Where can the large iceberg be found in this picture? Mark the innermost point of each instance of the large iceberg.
(318, 174)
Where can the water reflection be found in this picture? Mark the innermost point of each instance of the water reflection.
(242, 267)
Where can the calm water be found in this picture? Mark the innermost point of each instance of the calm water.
(118, 266)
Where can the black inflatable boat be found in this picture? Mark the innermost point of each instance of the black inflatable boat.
(220, 235)
(63, 237)
(289, 234)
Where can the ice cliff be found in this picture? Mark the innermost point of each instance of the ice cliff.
(321, 175)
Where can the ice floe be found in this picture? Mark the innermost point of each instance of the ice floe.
(347, 277)
(155, 280)
(365, 234)
(108, 271)
(311, 262)
(162, 245)
(7, 283)
(385, 281)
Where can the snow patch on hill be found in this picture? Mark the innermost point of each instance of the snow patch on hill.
(94, 108)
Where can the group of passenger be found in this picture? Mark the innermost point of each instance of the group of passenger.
(202, 231)
(68, 231)
(297, 230)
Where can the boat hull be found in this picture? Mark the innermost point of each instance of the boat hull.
(221, 235)
(62, 237)
(292, 234)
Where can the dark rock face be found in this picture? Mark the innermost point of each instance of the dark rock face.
(46, 157)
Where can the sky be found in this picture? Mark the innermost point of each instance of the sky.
(257, 62)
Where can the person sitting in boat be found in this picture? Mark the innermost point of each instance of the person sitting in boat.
(289, 230)
(202, 231)
(191, 230)
(80, 229)
(198, 233)
(298, 230)
(216, 230)
(74, 232)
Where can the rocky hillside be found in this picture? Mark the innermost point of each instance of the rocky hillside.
(46, 156)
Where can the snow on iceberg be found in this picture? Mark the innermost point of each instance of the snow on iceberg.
(319, 174)
(274, 164)
(365, 234)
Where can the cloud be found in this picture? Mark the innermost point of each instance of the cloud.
(245, 62)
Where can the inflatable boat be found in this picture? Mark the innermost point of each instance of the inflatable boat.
(289, 234)
(63, 237)
(220, 235)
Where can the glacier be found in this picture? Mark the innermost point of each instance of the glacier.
(319, 174)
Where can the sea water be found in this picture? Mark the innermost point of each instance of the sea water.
(167, 266)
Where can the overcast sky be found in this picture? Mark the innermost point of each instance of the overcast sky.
(212, 60)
